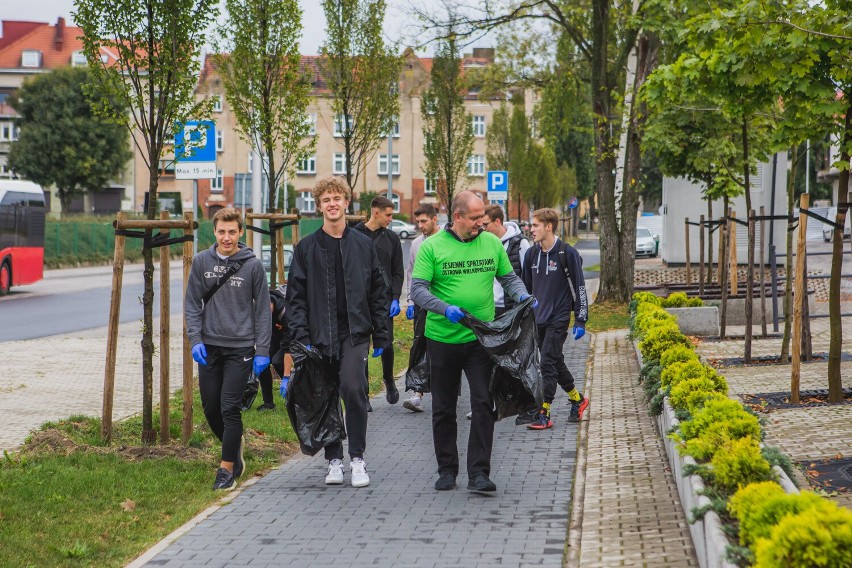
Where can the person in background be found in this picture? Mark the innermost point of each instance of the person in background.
(426, 218)
(389, 250)
(516, 245)
(229, 332)
(279, 345)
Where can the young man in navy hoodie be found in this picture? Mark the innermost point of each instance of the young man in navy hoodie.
(553, 273)
(229, 333)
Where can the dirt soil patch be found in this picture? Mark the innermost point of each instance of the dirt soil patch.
(767, 402)
(831, 474)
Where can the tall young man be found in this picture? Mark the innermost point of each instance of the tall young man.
(454, 271)
(516, 245)
(553, 272)
(229, 333)
(389, 250)
(426, 218)
(337, 298)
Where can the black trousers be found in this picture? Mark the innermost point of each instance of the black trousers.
(553, 368)
(387, 361)
(349, 367)
(447, 361)
(221, 383)
(265, 377)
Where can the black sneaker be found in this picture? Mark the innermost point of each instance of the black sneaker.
(240, 464)
(527, 416)
(224, 480)
(578, 407)
(266, 406)
(480, 482)
(392, 393)
(446, 481)
(369, 406)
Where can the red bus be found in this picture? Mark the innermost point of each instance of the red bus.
(22, 215)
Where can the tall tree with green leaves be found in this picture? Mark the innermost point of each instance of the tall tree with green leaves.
(362, 74)
(498, 143)
(266, 89)
(62, 142)
(521, 167)
(447, 128)
(149, 89)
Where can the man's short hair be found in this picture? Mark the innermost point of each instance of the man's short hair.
(426, 209)
(547, 215)
(495, 212)
(461, 201)
(226, 215)
(381, 202)
(331, 184)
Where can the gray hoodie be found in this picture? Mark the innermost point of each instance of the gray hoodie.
(238, 313)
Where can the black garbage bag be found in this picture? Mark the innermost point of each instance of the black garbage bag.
(512, 343)
(313, 402)
(417, 375)
(250, 392)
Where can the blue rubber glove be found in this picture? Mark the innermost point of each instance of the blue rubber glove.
(199, 353)
(394, 310)
(409, 312)
(282, 390)
(454, 314)
(525, 296)
(578, 332)
(260, 364)
(377, 351)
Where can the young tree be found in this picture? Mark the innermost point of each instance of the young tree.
(520, 166)
(447, 127)
(363, 76)
(266, 89)
(62, 142)
(149, 89)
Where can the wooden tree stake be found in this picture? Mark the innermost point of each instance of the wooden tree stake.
(798, 294)
(165, 330)
(186, 430)
(701, 256)
(686, 241)
(112, 335)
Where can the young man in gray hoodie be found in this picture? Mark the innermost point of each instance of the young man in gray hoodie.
(229, 332)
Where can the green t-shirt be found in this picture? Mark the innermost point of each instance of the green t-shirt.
(461, 274)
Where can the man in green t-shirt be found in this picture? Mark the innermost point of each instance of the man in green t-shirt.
(453, 273)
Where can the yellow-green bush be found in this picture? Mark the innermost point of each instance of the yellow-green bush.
(718, 422)
(738, 463)
(660, 338)
(646, 298)
(695, 401)
(651, 319)
(687, 390)
(683, 370)
(761, 506)
(677, 353)
(820, 536)
(680, 300)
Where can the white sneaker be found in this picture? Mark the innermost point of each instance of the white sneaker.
(414, 404)
(335, 473)
(359, 473)
(469, 415)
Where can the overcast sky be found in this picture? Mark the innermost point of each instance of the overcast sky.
(397, 22)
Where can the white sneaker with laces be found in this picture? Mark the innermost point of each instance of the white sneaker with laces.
(335, 473)
(359, 473)
(414, 404)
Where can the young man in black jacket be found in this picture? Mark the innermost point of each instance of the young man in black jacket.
(337, 298)
(553, 273)
(389, 250)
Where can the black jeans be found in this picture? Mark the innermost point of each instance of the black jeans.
(349, 367)
(447, 361)
(222, 383)
(553, 368)
(265, 377)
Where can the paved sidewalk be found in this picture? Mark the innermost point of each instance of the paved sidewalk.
(290, 518)
(630, 512)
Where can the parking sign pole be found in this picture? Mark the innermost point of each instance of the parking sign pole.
(194, 214)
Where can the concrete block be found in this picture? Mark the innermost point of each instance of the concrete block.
(735, 314)
(701, 321)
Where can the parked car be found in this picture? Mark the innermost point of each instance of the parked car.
(828, 230)
(403, 229)
(266, 259)
(646, 244)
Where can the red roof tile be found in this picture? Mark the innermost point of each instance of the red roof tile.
(56, 42)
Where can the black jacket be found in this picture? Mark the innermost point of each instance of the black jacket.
(389, 250)
(312, 294)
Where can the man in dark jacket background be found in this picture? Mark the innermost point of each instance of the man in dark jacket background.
(337, 297)
(389, 250)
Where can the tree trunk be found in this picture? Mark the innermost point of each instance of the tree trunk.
(271, 207)
(749, 301)
(148, 434)
(709, 241)
(724, 240)
(788, 279)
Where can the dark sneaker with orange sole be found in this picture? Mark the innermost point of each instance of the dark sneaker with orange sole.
(578, 407)
(541, 422)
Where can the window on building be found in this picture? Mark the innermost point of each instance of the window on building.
(478, 122)
(476, 165)
(383, 164)
(6, 171)
(431, 186)
(308, 203)
(8, 132)
(307, 166)
(217, 103)
(30, 58)
(338, 125)
(339, 165)
(394, 128)
(78, 59)
(220, 140)
(216, 184)
(250, 162)
(311, 121)
(396, 201)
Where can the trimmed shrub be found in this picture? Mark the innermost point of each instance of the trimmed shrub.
(683, 370)
(745, 503)
(645, 298)
(718, 422)
(686, 390)
(680, 300)
(820, 536)
(661, 338)
(758, 521)
(695, 401)
(677, 353)
(739, 463)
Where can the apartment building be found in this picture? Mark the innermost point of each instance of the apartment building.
(404, 163)
(31, 48)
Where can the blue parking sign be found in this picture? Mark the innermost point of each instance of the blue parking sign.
(195, 141)
(498, 185)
